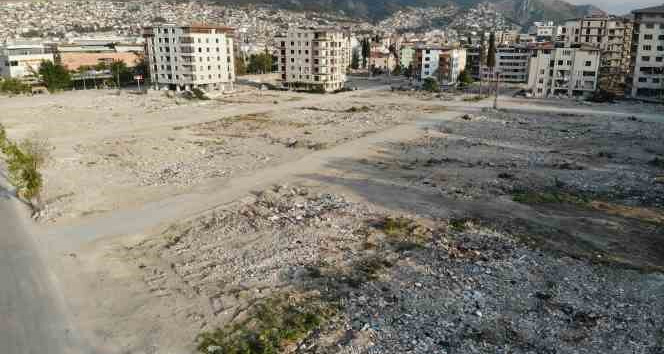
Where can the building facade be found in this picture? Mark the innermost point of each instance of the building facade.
(512, 63)
(444, 64)
(188, 57)
(314, 59)
(570, 72)
(613, 36)
(22, 60)
(647, 62)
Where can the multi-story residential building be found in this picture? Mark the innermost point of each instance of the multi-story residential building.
(562, 71)
(444, 64)
(647, 63)
(545, 31)
(475, 55)
(613, 36)
(314, 58)
(188, 57)
(512, 63)
(22, 60)
(406, 55)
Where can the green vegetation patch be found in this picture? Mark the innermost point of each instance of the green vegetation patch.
(405, 233)
(549, 197)
(273, 324)
(23, 163)
(475, 98)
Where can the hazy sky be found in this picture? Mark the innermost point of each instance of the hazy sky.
(619, 7)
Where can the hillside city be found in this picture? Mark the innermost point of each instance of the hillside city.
(248, 178)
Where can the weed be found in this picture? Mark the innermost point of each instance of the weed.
(475, 98)
(273, 324)
(553, 197)
(405, 234)
(358, 109)
(462, 224)
(23, 163)
(199, 94)
(657, 162)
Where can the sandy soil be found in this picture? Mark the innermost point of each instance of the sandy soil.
(515, 222)
(112, 151)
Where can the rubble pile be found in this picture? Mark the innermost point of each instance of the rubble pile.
(458, 287)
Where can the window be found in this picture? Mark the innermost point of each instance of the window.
(650, 25)
(589, 63)
(647, 37)
(645, 58)
(560, 62)
(647, 47)
(655, 80)
(643, 79)
(660, 48)
(658, 59)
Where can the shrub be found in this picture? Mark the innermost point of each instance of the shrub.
(273, 323)
(199, 94)
(14, 86)
(430, 84)
(23, 164)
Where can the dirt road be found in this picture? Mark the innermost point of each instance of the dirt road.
(33, 318)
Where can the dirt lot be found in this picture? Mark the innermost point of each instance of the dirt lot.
(112, 151)
(481, 232)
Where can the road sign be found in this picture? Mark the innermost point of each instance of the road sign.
(138, 77)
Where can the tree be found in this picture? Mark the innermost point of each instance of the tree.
(408, 73)
(465, 78)
(240, 66)
(355, 60)
(120, 72)
(430, 84)
(491, 55)
(260, 63)
(397, 70)
(101, 66)
(366, 51)
(55, 76)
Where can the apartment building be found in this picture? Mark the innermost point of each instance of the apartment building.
(21, 60)
(512, 63)
(444, 64)
(647, 62)
(188, 57)
(475, 54)
(314, 58)
(613, 36)
(568, 72)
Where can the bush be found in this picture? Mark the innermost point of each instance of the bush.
(199, 94)
(430, 84)
(14, 86)
(23, 164)
(273, 324)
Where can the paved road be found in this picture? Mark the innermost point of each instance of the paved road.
(32, 316)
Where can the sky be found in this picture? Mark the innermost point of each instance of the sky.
(619, 7)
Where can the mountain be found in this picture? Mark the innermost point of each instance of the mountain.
(521, 11)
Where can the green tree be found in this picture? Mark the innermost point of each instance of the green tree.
(465, 78)
(260, 63)
(355, 60)
(397, 70)
(430, 84)
(55, 76)
(491, 55)
(366, 51)
(101, 66)
(240, 66)
(121, 73)
(408, 73)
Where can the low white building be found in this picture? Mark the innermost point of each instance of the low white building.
(314, 58)
(188, 57)
(22, 60)
(444, 64)
(568, 72)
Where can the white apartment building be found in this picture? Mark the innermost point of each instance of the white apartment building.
(568, 72)
(314, 58)
(613, 36)
(22, 60)
(184, 58)
(512, 63)
(647, 81)
(444, 64)
(546, 31)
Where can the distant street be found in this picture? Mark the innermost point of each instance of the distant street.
(32, 319)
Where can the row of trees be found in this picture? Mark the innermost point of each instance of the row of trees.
(56, 77)
(258, 64)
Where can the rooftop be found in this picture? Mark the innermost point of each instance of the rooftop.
(654, 9)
